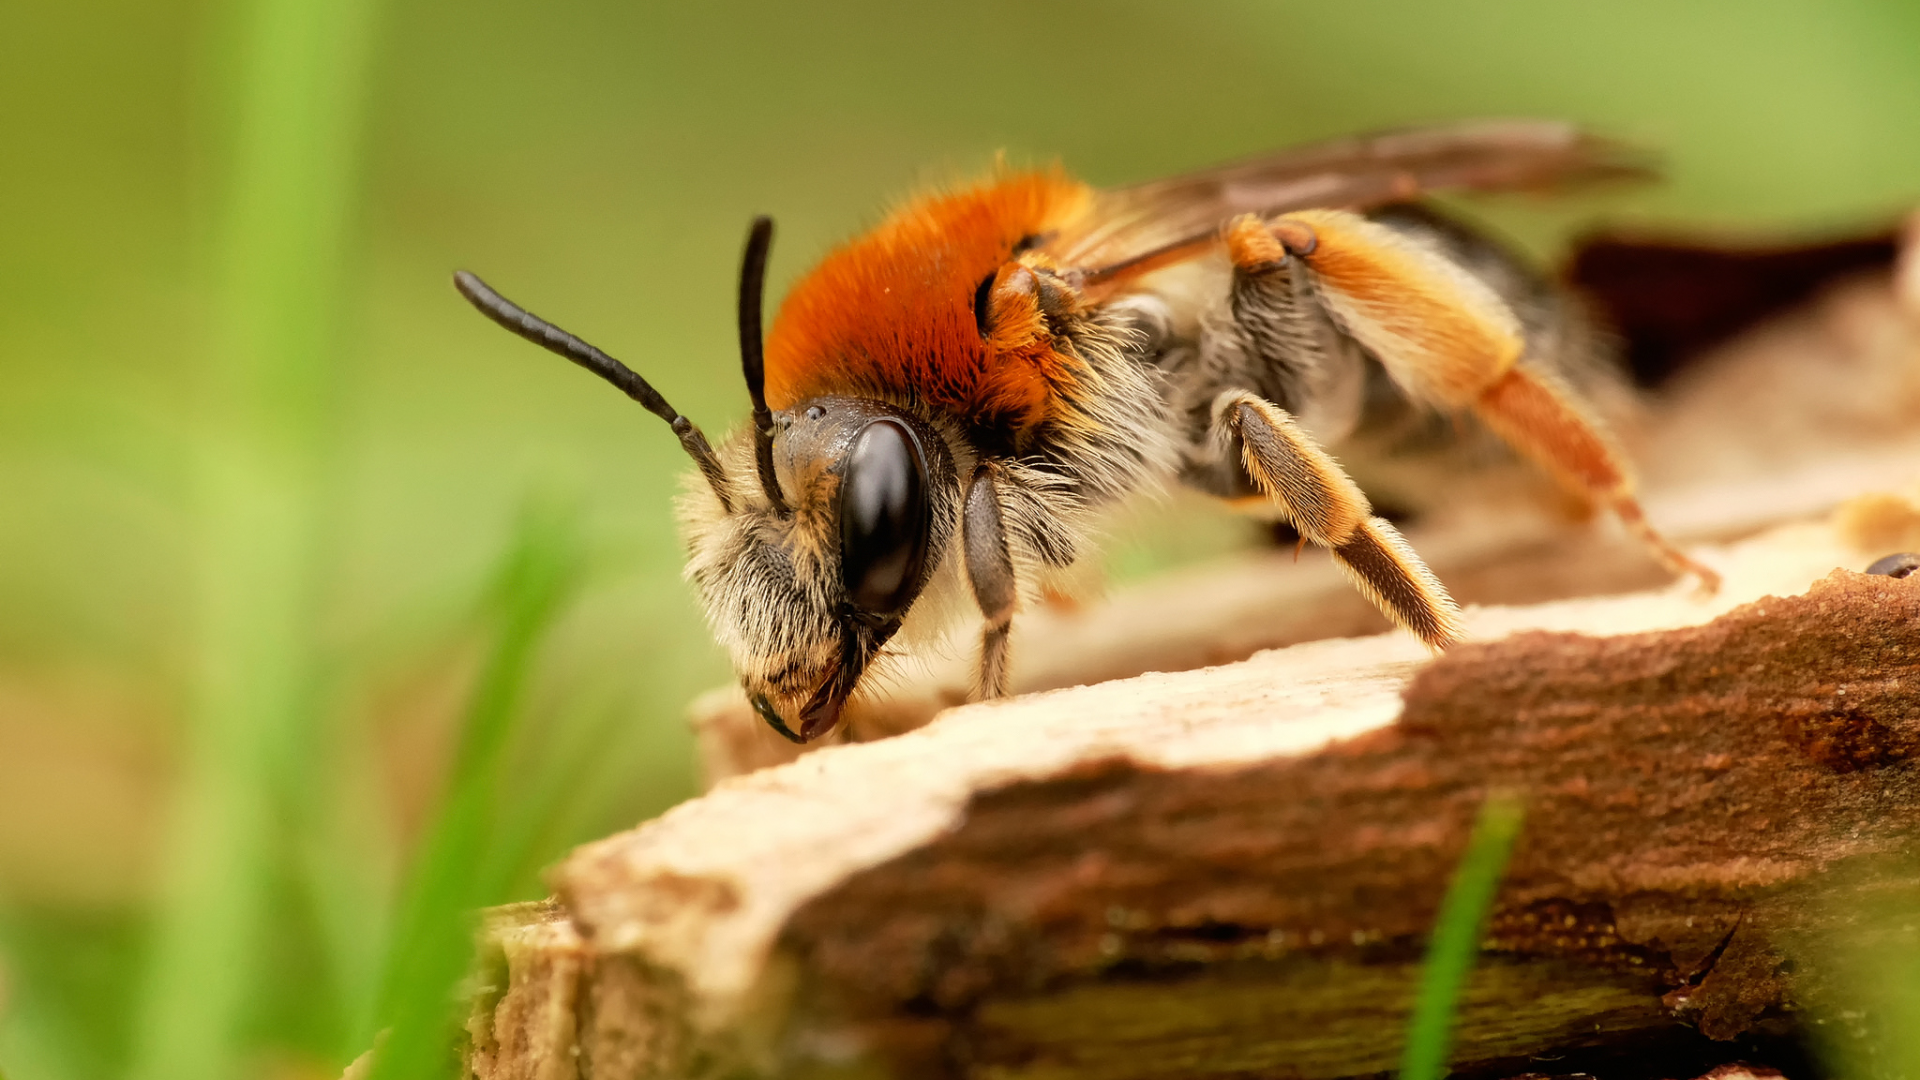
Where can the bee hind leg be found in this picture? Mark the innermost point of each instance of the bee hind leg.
(1449, 340)
(1327, 507)
(1537, 416)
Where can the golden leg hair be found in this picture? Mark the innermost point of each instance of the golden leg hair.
(1324, 504)
(1540, 419)
(991, 677)
(1449, 340)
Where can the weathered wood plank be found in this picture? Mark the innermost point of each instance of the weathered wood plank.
(1231, 871)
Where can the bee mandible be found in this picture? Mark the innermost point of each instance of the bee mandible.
(943, 404)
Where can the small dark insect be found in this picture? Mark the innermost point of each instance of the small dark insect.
(1898, 565)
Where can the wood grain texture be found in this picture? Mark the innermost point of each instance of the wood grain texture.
(1230, 872)
(1687, 791)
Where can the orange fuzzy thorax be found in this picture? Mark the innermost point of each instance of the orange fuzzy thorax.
(891, 313)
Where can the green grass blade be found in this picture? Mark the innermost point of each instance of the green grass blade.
(560, 789)
(432, 944)
(344, 860)
(1864, 1020)
(278, 258)
(65, 976)
(40, 1046)
(1456, 937)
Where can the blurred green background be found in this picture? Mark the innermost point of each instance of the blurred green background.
(229, 696)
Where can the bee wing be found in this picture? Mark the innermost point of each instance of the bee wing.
(1131, 230)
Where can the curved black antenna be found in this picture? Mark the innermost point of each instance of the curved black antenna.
(553, 339)
(753, 363)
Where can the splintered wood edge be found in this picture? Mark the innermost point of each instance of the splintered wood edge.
(524, 990)
(704, 891)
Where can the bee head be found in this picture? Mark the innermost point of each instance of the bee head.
(811, 536)
(804, 598)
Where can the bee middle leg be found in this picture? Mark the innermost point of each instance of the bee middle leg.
(1328, 508)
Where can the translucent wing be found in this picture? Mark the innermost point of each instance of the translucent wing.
(1134, 229)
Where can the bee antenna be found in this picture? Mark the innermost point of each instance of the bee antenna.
(550, 337)
(753, 362)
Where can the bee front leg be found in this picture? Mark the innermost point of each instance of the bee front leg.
(989, 562)
(1328, 508)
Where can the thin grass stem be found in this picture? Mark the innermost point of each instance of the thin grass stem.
(1456, 937)
(278, 258)
(453, 875)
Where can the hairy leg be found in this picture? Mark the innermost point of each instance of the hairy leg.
(1325, 505)
(989, 564)
(1540, 418)
(1449, 340)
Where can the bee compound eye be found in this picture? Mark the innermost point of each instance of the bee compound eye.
(884, 518)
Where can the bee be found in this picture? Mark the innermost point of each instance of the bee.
(943, 404)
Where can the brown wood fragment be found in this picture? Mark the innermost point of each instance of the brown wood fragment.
(527, 1010)
(1231, 872)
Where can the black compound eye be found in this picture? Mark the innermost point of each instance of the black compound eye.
(883, 519)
